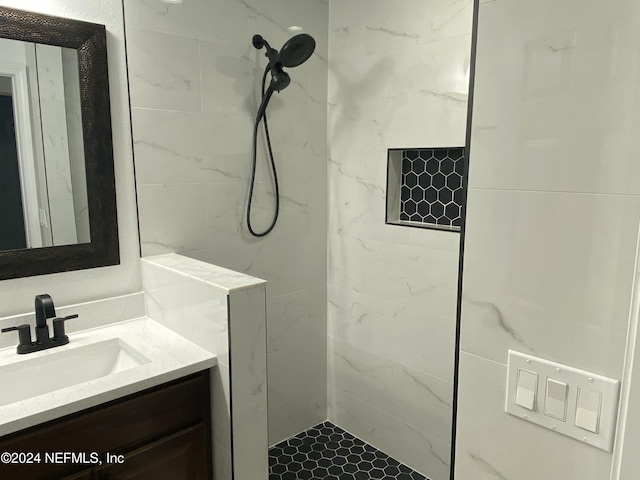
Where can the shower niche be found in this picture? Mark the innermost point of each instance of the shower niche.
(424, 187)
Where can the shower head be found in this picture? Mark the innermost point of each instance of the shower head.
(297, 50)
(294, 52)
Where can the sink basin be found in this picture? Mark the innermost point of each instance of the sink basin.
(56, 370)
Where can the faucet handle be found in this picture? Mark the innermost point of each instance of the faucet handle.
(24, 334)
(58, 327)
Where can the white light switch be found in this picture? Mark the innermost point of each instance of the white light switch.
(526, 389)
(569, 401)
(588, 409)
(555, 399)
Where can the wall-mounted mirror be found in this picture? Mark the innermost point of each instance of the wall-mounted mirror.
(57, 187)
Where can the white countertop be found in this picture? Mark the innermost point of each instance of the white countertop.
(170, 357)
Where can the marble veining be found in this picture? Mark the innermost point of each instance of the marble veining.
(396, 79)
(494, 314)
(393, 33)
(224, 279)
(255, 13)
(486, 466)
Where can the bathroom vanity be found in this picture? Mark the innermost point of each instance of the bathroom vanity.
(159, 433)
(125, 400)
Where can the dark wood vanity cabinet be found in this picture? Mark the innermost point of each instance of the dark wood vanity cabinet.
(160, 433)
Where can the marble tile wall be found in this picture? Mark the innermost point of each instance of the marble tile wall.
(552, 220)
(199, 313)
(195, 83)
(398, 78)
(223, 312)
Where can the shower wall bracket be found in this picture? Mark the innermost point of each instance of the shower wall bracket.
(424, 187)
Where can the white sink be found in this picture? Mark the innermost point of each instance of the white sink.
(56, 370)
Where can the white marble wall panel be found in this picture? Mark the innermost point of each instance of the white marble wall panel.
(552, 220)
(408, 394)
(247, 324)
(427, 455)
(288, 417)
(164, 71)
(194, 310)
(250, 440)
(298, 370)
(490, 443)
(193, 153)
(398, 77)
(225, 313)
(164, 227)
(566, 272)
(296, 318)
(564, 74)
(169, 148)
(410, 275)
(224, 22)
(199, 313)
(409, 336)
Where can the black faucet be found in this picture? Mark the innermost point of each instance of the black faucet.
(44, 310)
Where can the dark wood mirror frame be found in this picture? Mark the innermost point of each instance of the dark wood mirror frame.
(91, 44)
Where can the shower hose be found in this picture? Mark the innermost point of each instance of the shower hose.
(253, 167)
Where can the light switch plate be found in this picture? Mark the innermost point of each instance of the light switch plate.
(575, 378)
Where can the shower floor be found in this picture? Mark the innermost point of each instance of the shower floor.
(326, 452)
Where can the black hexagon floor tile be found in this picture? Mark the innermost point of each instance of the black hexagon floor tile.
(326, 452)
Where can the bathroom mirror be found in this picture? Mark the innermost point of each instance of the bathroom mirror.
(58, 208)
(44, 194)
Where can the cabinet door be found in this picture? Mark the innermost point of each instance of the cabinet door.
(182, 456)
(84, 475)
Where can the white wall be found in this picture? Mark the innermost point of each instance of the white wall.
(398, 77)
(552, 220)
(194, 90)
(17, 295)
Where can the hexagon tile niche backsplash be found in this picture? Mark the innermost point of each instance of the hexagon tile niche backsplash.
(431, 186)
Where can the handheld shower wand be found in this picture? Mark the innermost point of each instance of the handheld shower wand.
(294, 52)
